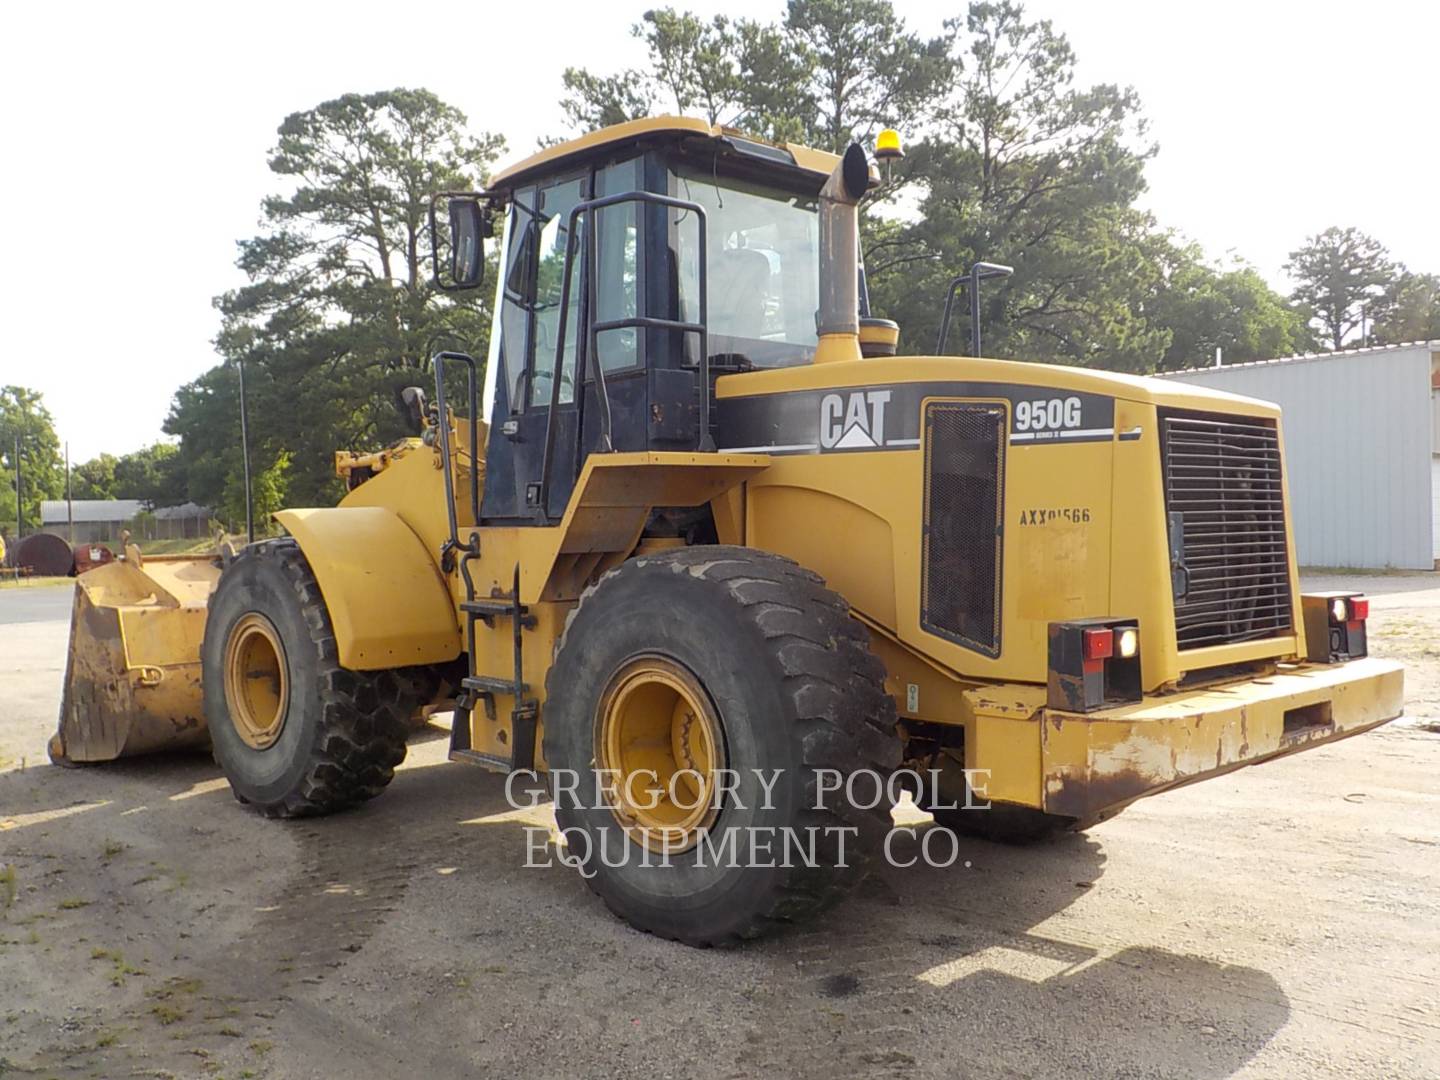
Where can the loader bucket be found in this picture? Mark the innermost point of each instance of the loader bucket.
(132, 680)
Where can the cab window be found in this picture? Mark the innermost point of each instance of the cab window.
(617, 286)
(763, 272)
(512, 355)
(552, 237)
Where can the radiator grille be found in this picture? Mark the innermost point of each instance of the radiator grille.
(1223, 493)
(964, 479)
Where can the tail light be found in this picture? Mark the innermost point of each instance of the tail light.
(1097, 644)
(1335, 626)
(1093, 663)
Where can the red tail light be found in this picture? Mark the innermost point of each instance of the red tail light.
(1099, 644)
(1359, 609)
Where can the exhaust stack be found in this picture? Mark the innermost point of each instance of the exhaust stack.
(839, 322)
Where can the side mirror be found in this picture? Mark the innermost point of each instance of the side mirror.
(469, 224)
(414, 399)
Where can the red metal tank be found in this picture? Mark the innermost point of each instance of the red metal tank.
(89, 556)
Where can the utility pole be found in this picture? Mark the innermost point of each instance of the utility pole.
(245, 453)
(69, 497)
(19, 506)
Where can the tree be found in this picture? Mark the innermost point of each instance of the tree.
(151, 475)
(866, 70)
(1026, 169)
(595, 101)
(42, 469)
(205, 416)
(696, 66)
(695, 61)
(829, 72)
(339, 314)
(269, 491)
(1234, 310)
(1343, 276)
(94, 479)
(1411, 311)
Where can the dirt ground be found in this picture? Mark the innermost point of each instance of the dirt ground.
(1278, 922)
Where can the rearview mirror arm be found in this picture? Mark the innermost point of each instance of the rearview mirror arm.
(978, 273)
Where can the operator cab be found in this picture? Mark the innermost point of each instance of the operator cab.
(757, 264)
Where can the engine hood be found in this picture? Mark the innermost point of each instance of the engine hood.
(937, 369)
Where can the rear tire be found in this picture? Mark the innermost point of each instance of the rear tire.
(296, 733)
(787, 681)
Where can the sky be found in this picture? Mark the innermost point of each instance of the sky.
(135, 138)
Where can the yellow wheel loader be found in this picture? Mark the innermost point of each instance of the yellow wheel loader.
(700, 545)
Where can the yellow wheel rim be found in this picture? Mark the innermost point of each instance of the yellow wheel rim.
(660, 747)
(257, 686)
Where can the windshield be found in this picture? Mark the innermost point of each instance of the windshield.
(763, 272)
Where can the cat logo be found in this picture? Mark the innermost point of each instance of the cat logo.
(853, 422)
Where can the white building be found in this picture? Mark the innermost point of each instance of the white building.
(1361, 450)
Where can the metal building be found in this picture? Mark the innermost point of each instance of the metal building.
(95, 520)
(1361, 450)
(101, 520)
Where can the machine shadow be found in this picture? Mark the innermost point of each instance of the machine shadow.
(960, 961)
(927, 965)
(926, 969)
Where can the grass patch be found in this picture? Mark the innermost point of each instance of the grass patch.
(176, 986)
(120, 968)
(10, 582)
(111, 849)
(8, 888)
(73, 903)
(195, 545)
(261, 1046)
(167, 1013)
(168, 1006)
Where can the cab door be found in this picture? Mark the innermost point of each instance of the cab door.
(537, 370)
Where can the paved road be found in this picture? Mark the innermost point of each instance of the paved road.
(34, 604)
(1279, 922)
(34, 629)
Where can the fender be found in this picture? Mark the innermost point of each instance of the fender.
(388, 603)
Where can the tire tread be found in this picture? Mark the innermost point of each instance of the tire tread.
(366, 713)
(845, 718)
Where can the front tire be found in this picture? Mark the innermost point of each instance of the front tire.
(703, 659)
(295, 733)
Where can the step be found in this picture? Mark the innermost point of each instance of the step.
(499, 605)
(489, 684)
(487, 761)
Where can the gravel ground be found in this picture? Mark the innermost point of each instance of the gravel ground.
(1277, 922)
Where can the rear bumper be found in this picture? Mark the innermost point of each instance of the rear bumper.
(1091, 765)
